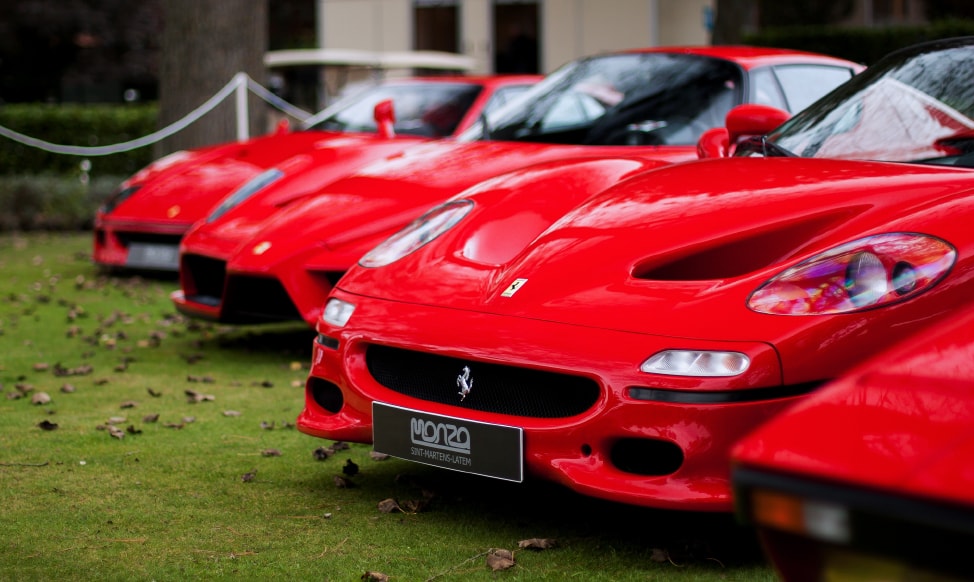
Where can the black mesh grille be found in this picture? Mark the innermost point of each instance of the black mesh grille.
(127, 238)
(204, 276)
(496, 388)
(255, 299)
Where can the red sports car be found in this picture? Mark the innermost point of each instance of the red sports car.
(649, 106)
(620, 340)
(872, 474)
(141, 225)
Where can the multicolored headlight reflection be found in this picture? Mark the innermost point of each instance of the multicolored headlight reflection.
(866, 273)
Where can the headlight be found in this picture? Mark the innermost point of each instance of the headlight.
(866, 273)
(112, 202)
(338, 312)
(257, 183)
(421, 231)
(696, 363)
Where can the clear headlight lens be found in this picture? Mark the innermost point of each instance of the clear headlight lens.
(117, 198)
(700, 363)
(421, 231)
(254, 185)
(338, 312)
(866, 273)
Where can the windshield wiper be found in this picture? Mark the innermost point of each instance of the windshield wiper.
(771, 149)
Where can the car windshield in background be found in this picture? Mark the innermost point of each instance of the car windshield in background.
(916, 106)
(656, 99)
(428, 109)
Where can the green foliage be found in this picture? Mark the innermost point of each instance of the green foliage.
(75, 125)
(862, 45)
(52, 202)
(169, 499)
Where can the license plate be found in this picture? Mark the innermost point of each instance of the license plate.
(153, 256)
(468, 446)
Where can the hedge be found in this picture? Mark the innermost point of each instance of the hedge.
(862, 45)
(52, 202)
(77, 125)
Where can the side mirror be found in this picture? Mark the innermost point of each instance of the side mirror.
(385, 117)
(714, 143)
(283, 126)
(753, 120)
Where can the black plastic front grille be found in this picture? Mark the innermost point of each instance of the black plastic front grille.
(496, 388)
(255, 299)
(204, 276)
(127, 238)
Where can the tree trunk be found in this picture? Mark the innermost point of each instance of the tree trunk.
(734, 18)
(204, 44)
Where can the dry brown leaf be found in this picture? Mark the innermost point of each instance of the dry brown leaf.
(47, 425)
(41, 367)
(375, 577)
(413, 505)
(271, 453)
(150, 417)
(322, 453)
(249, 476)
(68, 388)
(537, 544)
(116, 432)
(500, 559)
(153, 393)
(40, 398)
(389, 505)
(343, 482)
(231, 413)
(128, 404)
(350, 468)
(132, 430)
(376, 456)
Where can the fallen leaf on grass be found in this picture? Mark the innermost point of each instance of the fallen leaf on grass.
(500, 560)
(248, 477)
(376, 456)
(231, 413)
(194, 396)
(116, 432)
(47, 425)
(40, 398)
(322, 453)
(537, 544)
(343, 482)
(128, 404)
(389, 505)
(132, 430)
(68, 388)
(271, 453)
(176, 425)
(150, 417)
(413, 505)
(153, 393)
(41, 367)
(350, 468)
(375, 577)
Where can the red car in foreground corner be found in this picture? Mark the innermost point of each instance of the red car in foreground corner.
(141, 225)
(620, 342)
(873, 475)
(649, 106)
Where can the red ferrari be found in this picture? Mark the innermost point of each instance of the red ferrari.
(141, 225)
(649, 106)
(872, 474)
(619, 340)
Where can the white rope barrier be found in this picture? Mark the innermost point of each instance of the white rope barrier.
(240, 83)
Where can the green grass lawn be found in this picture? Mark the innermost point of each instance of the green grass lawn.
(140, 481)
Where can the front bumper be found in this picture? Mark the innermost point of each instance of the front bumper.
(138, 245)
(642, 439)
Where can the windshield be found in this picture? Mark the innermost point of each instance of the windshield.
(914, 106)
(625, 99)
(429, 109)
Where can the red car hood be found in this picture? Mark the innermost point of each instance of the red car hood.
(185, 187)
(903, 422)
(645, 255)
(362, 208)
